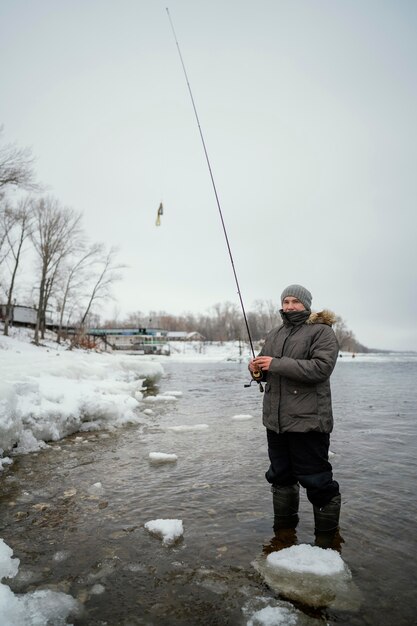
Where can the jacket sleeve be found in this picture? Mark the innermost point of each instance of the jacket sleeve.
(324, 350)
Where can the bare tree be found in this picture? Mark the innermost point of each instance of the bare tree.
(4, 227)
(17, 225)
(266, 316)
(54, 234)
(74, 278)
(16, 167)
(135, 320)
(108, 271)
(344, 336)
(227, 322)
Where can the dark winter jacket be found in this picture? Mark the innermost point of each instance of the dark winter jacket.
(297, 392)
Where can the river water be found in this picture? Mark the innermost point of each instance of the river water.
(93, 545)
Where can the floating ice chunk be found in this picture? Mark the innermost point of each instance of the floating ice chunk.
(306, 559)
(96, 489)
(97, 589)
(5, 461)
(242, 417)
(46, 607)
(175, 394)
(273, 616)
(162, 457)
(160, 398)
(148, 412)
(169, 530)
(264, 611)
(187, 428)
(310, 575)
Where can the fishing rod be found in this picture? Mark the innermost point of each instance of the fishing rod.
(256, 375)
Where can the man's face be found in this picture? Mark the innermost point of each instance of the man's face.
(292, 304)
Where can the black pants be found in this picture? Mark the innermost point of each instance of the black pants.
(303, 458)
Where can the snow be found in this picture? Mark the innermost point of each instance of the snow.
(97, 589)
(5, 461)
(162, 457)
(377, 357)
(49, 392)
(242, 417)
(306, 559)
(8, 566)
(96, 489)
(188, 351)
(273, 616)
(169, 530)
(176, 394)
(185, 428)
(216, 351)
(160, 398)
(32, 609)
(267, 611)
(311, 575)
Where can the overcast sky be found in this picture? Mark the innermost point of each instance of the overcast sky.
(308, 109)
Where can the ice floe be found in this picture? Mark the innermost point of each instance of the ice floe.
(162, 457)
(242, 417)
(185, 428)
(169, 530)
(310, 575)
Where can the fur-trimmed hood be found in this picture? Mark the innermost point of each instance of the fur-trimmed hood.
(322, 317)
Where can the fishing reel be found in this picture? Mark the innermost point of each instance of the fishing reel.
(256, 378)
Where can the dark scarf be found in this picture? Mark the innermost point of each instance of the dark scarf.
(294, 318)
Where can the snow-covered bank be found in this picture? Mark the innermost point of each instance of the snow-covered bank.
(235, 351)
(49, 392)
(377, 357)
(187, 351)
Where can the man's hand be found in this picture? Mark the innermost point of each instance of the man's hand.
(260, 363)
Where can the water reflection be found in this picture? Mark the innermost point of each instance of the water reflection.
(283, 538)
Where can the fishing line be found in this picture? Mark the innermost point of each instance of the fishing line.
(214, 188)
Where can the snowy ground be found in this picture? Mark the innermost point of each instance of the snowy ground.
(49, 392)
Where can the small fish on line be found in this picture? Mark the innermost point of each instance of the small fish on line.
(158, 215)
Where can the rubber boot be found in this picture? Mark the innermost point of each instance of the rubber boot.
(326, 518)
(285, 501)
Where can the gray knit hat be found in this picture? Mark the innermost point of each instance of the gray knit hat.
(297, 291)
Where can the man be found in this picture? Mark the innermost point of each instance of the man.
(296, 362)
